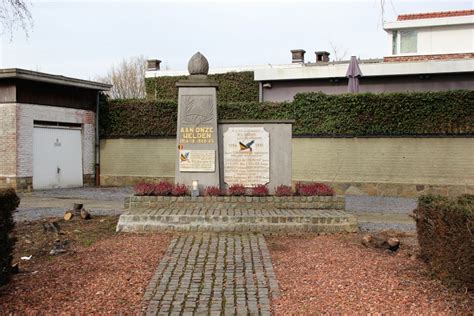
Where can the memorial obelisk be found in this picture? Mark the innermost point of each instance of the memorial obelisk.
(197, 139)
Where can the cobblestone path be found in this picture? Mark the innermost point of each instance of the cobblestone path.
(213, 274)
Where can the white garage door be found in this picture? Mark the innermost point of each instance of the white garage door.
(57, 158)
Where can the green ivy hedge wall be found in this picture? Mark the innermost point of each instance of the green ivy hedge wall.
(315, 114)
(233, 86)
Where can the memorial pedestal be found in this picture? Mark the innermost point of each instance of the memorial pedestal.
(197, 141)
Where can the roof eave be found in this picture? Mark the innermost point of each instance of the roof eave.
(16, 73)
(384, 69)
(419, 23)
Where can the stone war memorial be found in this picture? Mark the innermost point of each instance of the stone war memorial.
(227, 154)
(232, 152)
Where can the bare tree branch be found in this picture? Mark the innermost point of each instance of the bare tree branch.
(383, 6)
(339, 53)
(127, 78)
(15, 14)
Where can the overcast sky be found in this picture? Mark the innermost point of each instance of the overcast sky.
(84, 38)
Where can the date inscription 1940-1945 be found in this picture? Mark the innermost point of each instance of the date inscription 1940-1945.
(197, 135)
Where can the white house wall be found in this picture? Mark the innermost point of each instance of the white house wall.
(446, 40)
(454, 39)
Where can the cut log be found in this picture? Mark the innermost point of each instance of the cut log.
(367, 240)
(85, 214)
(68, 215)
(52, 227)
(59, 247)
(381, 242)
(76, 209)
(393, 244)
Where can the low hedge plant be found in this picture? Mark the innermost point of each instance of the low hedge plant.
(445, 228)
(9, 201)
(313, 189)
(213, 191)
(259, 190)
(283, 190)
(165, 188)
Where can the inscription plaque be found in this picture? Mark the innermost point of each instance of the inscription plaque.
(246, 156)
(197, 160)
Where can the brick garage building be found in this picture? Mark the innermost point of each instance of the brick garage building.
(47, 130)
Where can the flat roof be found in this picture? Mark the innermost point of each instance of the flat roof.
(338, 70)
(17, 73)
(212, 71)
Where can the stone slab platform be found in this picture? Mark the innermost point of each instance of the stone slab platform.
(237, 220)
(236, 202)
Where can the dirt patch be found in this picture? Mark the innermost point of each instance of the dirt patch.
(101, 271)
(335, 274)
(34, 240)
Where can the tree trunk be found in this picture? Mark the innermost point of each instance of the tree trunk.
(381, 242)
(68, 215)
(76, 209)
(52, 227)
(85, 214)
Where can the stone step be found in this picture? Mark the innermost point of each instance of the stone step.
(236, 202)
(230, 220)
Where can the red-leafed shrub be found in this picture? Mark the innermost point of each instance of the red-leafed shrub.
(144, 188)
(312, 189)
(283, 190)
(259, 190)
(212, 191)
(179, 190)
(236, 190)
(162, 188)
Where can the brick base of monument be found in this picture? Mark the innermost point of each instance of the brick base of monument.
(236, 202)
(237, 214)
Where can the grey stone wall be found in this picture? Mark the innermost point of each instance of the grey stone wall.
(281, 149)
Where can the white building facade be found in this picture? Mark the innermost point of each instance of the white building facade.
(436, 35)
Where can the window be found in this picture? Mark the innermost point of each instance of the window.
(408, 41)
(394, 42)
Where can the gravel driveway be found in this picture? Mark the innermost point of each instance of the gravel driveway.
(53, 203)
(380, 204)
(373, 212)
(86, 193)
(381, 212)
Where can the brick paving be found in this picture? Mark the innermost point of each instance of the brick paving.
(213, 274)
(163, 213)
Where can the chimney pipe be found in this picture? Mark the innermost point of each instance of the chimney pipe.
(322, 57)
(153, 64)
(297, 56)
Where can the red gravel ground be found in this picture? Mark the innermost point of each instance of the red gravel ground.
(336, 275)
(107, 277)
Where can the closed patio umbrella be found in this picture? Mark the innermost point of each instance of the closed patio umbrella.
(353, 73)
